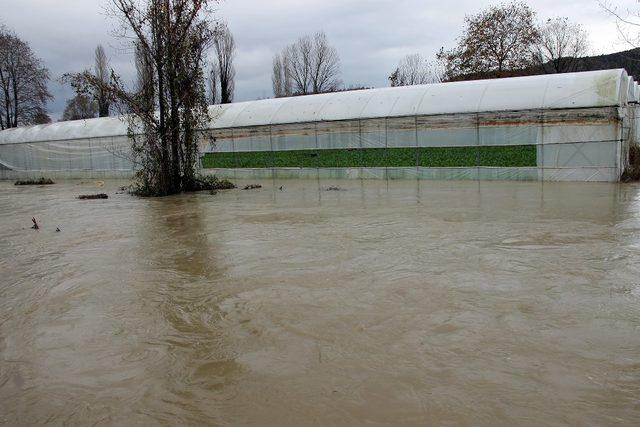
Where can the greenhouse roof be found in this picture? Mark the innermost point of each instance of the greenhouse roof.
(553, 91)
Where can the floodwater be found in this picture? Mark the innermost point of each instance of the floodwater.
(387, 303)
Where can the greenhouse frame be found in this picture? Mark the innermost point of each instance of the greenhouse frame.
(560, 127)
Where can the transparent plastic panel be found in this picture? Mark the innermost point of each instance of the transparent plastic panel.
(373, 133)
(591, 125)
(9, 157)
(220, 140)
(563, 134)
(447, 131)
(401, 132)
(293, 137)
(508, 174)
(33, 159)
(402, 173)
(112, 154)
(80, 154)
(343, 134)
(373, 173)
(252, 139)
(253, 174)
(510, 128)
(447, 173)
(121, 150)
(587, 154)
(51, 156)
(295, 173)
(580, 174)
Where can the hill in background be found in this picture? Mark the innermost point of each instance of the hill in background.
(628, 59)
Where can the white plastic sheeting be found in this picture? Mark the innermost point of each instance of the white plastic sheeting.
(101, 154)
(556, 91)
(436, 173)
(538, 110)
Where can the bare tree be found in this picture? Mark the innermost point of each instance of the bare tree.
(561, 45)
(277, 77)
(325, 65)
(225, 53)
(80, 107)
(169, 104)
(23, 83)
(212, 83)
(101, 71)
(627, 22)
(280, 78)
(495, 42)
(310, 65)
(415, 70)
(299, 66)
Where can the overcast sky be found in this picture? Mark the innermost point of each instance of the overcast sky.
(371, 36)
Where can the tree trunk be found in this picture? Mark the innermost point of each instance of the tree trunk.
(15, 103)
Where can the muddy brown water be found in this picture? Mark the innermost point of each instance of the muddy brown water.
(387, 303)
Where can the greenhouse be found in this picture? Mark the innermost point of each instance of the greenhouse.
(559, 127)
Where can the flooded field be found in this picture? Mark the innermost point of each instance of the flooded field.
(386, 303)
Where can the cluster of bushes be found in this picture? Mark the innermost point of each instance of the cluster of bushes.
(200, 183)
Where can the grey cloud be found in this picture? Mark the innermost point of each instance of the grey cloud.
(370, 35)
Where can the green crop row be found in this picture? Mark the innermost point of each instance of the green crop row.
(497, 156)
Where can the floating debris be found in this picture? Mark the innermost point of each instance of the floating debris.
(93, 196)
(57, 229)
(281, 187)
(41, 181)
(333, 189)
(252, 187)
(35, 225)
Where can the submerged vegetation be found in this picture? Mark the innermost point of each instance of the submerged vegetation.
(41, 181)
(491, 156)
(200, 183)
(208, 183)
(170, 39)
(632, 173)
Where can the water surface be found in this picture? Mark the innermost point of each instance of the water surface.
(400, 302)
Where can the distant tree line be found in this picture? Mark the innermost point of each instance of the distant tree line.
(501, 41)
(506, 40)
